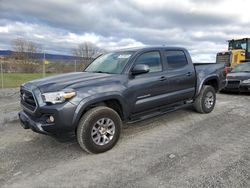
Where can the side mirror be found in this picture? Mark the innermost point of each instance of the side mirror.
(140, 69)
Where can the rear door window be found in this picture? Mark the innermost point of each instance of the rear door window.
(175, 59)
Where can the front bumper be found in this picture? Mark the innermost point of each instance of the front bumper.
(39, 127)
(36, 113)
(243, 88)
(63, 119)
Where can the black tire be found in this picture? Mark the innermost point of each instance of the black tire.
(200, 104)
(89, 120)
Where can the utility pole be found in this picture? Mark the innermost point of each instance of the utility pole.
(75, 65)
(44, 64)
(2, 73)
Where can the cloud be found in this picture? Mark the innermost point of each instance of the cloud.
(59, 25)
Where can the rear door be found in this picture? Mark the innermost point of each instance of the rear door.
(180, 74)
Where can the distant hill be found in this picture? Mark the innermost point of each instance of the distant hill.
(50, 57)
(5, 52)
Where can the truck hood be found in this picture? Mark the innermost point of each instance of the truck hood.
(238, 75)
(68, 80)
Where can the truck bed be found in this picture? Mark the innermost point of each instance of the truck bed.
(203, 70)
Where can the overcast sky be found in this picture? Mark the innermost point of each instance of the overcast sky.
(202, 26)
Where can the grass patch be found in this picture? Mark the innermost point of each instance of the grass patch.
(16, 79)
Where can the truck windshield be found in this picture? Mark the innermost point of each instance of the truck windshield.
(244, 67)
(112, 63)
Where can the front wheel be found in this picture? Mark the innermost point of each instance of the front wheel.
(206, 100)
(99, 129)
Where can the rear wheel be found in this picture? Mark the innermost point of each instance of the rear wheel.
(206, 100)
(99, 129)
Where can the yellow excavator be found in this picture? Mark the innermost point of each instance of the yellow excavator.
(238, 52)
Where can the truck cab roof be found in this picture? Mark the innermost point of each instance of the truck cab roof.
(146, 48)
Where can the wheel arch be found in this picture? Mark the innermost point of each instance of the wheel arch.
(212, 81)
(113, 101)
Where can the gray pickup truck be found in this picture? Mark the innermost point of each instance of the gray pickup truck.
(121, 86)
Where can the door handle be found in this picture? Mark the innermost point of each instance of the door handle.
(163, 78)
(189, 74)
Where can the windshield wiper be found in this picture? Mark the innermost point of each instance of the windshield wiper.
(101, 72)
(239, 71)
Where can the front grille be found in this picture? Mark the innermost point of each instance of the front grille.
(27, 99)
(233, 84)
(223, 58)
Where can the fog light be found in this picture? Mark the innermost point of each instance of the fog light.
(51, 119)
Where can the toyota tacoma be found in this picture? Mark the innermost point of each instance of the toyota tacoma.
(120, 86)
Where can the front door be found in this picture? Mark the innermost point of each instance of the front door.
(147, 90)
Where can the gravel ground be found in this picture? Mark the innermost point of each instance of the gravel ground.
(180, 149)
(9, 106)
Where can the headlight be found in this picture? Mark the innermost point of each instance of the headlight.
(58, 97)
(243, 53)
(246, 81)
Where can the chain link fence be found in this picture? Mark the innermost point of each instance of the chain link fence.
(15, 72)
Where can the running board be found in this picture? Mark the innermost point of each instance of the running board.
(157, 113)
